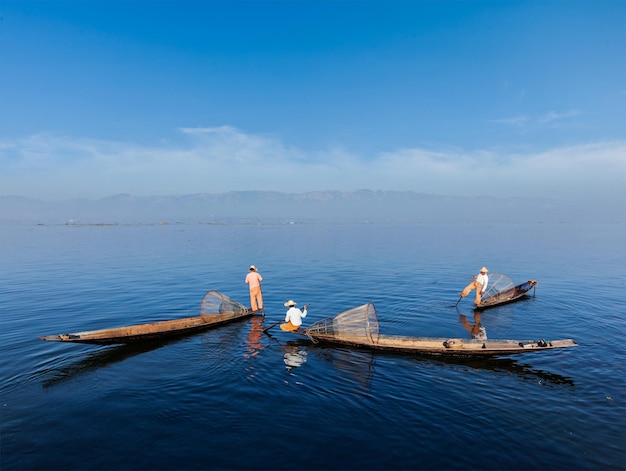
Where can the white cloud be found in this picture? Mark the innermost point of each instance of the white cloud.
(515, 121)
(584, 171)
(221, 159)
(554, 116)
(549, 117)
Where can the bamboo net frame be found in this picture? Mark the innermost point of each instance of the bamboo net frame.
(499, 287)
(358, 324)
(215, 303)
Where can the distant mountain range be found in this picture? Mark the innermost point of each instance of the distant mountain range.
(271, 206)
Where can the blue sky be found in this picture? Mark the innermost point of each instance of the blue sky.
(501, 98)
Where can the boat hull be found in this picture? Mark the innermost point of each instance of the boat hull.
(358, 327)
(510, 296)
(151, 331)
(444, 346)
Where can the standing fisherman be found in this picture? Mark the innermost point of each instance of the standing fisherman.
(479, 284)
(254, 279)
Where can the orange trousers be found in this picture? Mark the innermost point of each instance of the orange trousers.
(468, 289)
(256, 298)
(288, 327)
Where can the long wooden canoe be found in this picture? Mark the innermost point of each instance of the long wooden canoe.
(358, 327)
(445, 346)
(501, 290)
(215, 309)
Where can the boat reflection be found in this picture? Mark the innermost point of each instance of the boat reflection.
(509, 365)
(359, 364)
(95, 360)
(108, 355)
(356, 364)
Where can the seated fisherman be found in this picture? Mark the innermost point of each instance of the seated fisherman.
(293, 318)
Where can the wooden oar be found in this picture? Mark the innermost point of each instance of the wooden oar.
(271, 326)
(461, 296)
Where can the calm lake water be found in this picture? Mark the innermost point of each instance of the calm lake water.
(233, 398)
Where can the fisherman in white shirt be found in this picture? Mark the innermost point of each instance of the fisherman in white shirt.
(294, 316)
(479, 284)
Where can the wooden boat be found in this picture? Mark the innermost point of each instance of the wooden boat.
(215, 309)
(501, 290)
(358, 327)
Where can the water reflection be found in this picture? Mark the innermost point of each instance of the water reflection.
(294, 355)
(359, 364)
(509, 365)
(108, 355)
(477, 330)
(253, 342)
(356, 364)
(94, 360)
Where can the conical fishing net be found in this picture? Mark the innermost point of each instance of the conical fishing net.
(499, 287)
(215, 303)
(359, 324)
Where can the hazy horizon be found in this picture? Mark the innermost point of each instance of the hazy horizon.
(258, 206)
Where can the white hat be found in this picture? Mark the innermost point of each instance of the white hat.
(290, 303)
(484, 269)
(252, 267)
